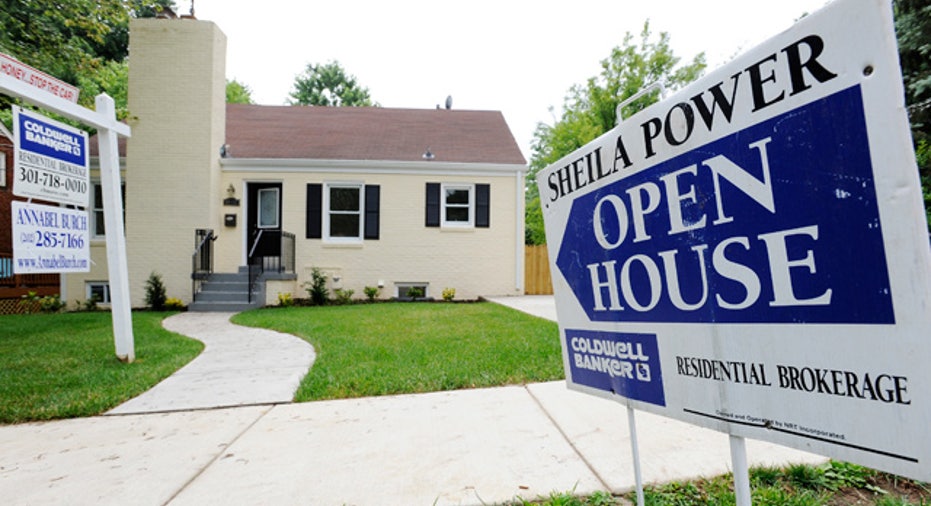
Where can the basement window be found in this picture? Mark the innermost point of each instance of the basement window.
(405, 291)
(99, 290)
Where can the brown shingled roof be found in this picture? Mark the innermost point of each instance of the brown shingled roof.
(369, 133)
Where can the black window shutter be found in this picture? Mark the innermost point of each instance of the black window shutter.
(314, 211)
(482, 205)
(372, 201)
(433, 205)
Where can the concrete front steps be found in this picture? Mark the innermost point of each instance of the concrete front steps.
(228, 292)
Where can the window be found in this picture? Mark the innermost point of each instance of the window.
(458, 205)
(407, 291)
(458, 210)
(268, 208)
(343, 212)
(97, 219)
(99, 290)
(343, 204)
(2, 170)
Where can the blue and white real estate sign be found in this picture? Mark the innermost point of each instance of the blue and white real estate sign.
(751, 254)
(49, 239)
(50, 160)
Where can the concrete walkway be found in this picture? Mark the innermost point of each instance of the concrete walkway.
(464, 447)
(239, 366)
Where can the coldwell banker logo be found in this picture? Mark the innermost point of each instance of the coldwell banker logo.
(625, 364)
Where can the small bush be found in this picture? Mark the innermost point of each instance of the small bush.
(174, 304)
(155, 296)
(343, 296)
(449, 294)
(316, 289)
(285, 299)
(88, 305)
(29, 302)
(51, 304)
(415, 292)
(371, 293)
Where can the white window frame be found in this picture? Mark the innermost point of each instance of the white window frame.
(92, 215)
(106, 290)
(2, 170)
(327, 212)
(260, 209)
(444, 187)
(403, 287)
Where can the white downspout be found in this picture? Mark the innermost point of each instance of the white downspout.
(519, 226)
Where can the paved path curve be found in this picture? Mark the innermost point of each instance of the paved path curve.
(239, 366)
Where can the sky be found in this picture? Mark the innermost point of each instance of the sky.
(519, 57)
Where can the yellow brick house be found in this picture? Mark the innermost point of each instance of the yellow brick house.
(393, 198)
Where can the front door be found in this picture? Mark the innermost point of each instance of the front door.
(263, 218)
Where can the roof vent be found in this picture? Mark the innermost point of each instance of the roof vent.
(428, 155)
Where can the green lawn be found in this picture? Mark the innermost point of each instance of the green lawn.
(831, 484)
(392, 348)
(64, 365)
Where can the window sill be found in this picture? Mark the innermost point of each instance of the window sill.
(457, 229)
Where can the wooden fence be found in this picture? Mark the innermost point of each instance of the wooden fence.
(537, 271)
(14, 286)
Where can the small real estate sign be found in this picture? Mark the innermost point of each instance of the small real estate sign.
(38, 79)
(50, 160)
(751, 254)
(49, 239)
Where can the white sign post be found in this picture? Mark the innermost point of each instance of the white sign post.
(104, 120)
(751, 254)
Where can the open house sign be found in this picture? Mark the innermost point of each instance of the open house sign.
(751, 254)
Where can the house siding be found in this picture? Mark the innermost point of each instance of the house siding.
(177, 182)
(475, 261)
(172, 181)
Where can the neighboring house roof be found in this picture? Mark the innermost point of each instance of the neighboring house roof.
(369, 133)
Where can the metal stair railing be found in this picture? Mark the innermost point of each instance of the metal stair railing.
(202, 259)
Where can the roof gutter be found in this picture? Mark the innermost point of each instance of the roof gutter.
(367, 166)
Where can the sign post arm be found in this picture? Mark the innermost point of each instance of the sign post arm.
(96, 119)
(115, 235)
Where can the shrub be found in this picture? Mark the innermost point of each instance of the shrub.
(174, 304)
(285, 299)
(155, 296)
(316, 289)
(371, 292)
(51, 304)
(88, 305)
(29, 302)
(449, 294)
(343, 296)
(415, 292)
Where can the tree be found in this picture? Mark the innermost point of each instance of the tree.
(66, 41)
(238, 93)
(590, 109)
(329, 85)
(913, 32)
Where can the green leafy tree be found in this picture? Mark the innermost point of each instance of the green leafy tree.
(590, 109)
(329, 85)
(238, 93)
(71, 40)
(81, 42)
(913, 32)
